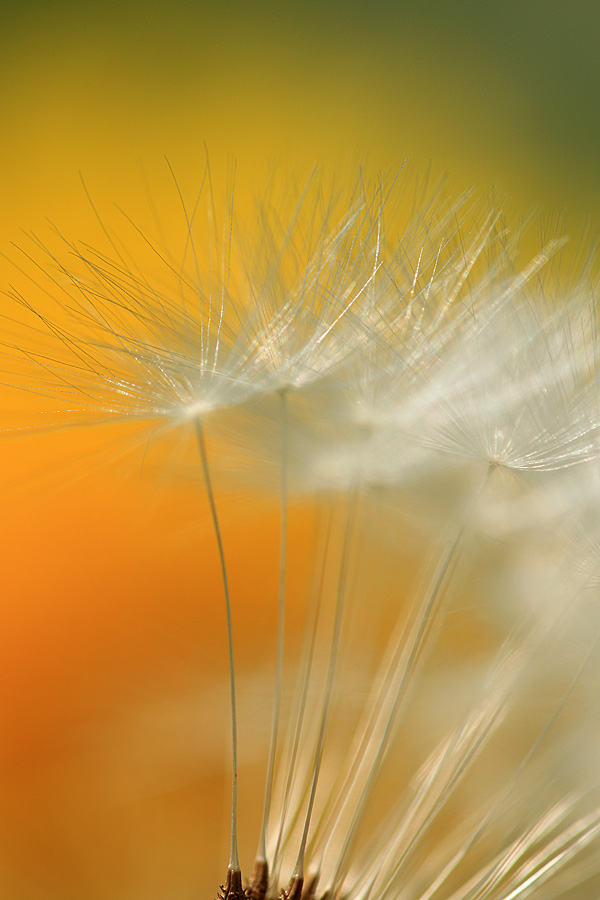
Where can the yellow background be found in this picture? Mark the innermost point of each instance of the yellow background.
(114, 710)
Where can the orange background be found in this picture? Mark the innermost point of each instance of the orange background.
(112, 648)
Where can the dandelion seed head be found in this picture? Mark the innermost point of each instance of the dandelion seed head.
(423, 722)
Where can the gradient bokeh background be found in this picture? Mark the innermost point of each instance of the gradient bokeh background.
(114, 709)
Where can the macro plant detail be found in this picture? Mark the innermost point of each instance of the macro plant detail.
(431, 734)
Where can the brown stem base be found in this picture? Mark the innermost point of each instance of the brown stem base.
(232, 889)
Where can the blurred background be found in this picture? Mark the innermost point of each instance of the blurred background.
(114, 708)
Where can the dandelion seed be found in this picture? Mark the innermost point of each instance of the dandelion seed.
(406, 764)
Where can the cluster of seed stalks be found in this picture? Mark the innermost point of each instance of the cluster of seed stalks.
(391, 358)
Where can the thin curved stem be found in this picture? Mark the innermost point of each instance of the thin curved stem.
(333, 655)
(234, 864)
(262, 847)
(304, 680)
